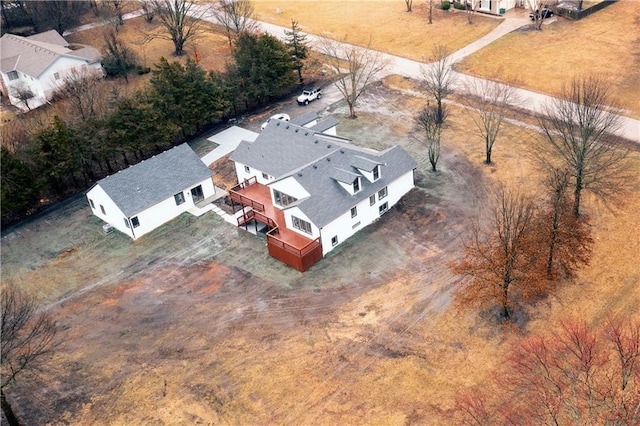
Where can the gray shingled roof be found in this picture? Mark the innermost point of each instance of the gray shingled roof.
(147, 183)
(283, 147)
(305, 118)
(328, 199)
(32, 55)
(325, 124)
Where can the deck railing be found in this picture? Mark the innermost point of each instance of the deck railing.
(298, 258)
(245, 201)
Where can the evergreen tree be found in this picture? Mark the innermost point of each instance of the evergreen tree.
(297, 43)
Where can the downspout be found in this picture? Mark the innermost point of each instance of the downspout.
(133, 234)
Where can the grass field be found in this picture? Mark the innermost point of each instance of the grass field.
(606, 43)
(387, 24)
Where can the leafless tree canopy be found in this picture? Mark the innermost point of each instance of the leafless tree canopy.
(438, 77)
(85, 92)
(489, 101)
(578, 133)
(235, 16)
(428, 124)
(25, 337)
(180, 19)
(496, 259)
(354, 67)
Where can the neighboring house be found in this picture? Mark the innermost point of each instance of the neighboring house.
(32, 68)
(144, 196)
(310, 191)
(495, 7)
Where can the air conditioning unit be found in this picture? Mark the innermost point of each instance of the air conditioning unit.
(107, 229)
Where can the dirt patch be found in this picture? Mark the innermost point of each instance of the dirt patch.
(195, 323)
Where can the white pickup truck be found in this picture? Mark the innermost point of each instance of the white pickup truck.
(309, 94)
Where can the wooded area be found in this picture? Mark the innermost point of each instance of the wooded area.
(95, 130)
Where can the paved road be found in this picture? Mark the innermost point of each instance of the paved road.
(527, 99)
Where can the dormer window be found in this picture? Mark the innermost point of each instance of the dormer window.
(13, 75)
(376, 173)
(356, 185)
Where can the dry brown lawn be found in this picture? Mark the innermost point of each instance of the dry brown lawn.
(210, 49)
(196, 324)
(606, 43)
(385, 23)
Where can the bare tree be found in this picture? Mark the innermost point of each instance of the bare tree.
(26, 336)
(497, 260)
(409, 4)
(181, 20)
(471, 6)
(235, 16)
(22, 92)
(573, 376)
(354, 68)
(84, 92)
(117, 58)
(489, 101)
(430, 7)
(147, 9)
(427, 123)
(438, 77)
(578, 133)
(566, 238)
(535, 6)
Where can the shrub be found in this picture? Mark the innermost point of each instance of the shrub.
(459, 6)
(446, 5)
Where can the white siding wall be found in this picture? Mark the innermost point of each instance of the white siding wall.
(242, 174)
(290, 187)
(345, 226)
(113, 216)
(150, 218)
(43, 87)
(295, 211)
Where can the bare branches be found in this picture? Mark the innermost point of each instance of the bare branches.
(573, 376)
(354, 67)
(180, 19)
(235, 16)
(26, 334)
(428, 122)
(438, 76)
(489, 102)
(578, 133)
(496, 259)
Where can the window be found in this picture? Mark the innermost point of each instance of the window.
(382, 193)
(179, 197)
(283, 199)
(334, 241)
(354, 211)
(56, 75)
(265, 176)
(102, 209)
(300, 224)
(376, 173)
(135, 222)
(12, 75)
(247, 169)
(372, 200)
(356, 185)
(93, 206)
(383, 208)
(126, 222)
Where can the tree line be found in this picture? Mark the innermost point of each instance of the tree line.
(95, 130)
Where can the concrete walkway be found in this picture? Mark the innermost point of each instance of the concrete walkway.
(526, 99)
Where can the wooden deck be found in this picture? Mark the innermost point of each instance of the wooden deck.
(285, 245)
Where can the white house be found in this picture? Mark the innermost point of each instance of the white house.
(314, 190)
(34, 67)
(144, 196)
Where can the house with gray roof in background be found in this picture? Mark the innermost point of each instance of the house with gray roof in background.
(139, 199)
(33, 67)
(309, 191)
